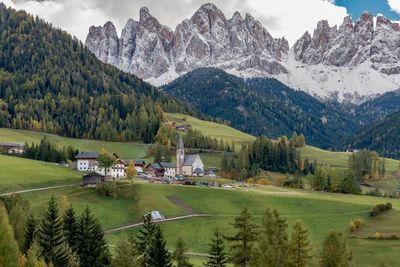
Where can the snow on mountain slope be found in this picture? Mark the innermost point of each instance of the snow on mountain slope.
(353, 62)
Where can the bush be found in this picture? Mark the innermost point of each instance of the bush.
(380, 208)
(378, 236)
(108, 189)
(355, 225)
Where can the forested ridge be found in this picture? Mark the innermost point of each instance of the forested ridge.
(50, 82)
(262, 106)
(382, 137)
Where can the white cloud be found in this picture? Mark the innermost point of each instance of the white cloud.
(395, 5)
(287, 18)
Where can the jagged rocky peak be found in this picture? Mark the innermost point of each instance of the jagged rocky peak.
(149, 49)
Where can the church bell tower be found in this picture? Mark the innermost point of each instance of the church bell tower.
(180, 156)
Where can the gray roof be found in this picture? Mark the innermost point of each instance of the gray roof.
(12, 145)
(136, 162)
(189, 159)
(167, 165)
(155, 166)
(87, 155)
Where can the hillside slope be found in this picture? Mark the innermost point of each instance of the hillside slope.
(51, 82)
(382, 136)
(261, 106)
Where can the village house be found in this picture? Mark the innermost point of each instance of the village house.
(12, 148)
(87, 162)
(139, 165)
(155, 170)
(92, 179)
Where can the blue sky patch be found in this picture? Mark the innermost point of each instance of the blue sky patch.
(356, 7)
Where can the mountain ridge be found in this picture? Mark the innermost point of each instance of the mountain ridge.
(355, 61)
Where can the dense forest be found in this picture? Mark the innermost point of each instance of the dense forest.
(382, 137)
(50, 82)
(262, 106)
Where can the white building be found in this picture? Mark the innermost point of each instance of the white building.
(87, 162)
(169, 169)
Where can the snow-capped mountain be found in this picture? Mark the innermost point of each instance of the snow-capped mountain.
(354, 62)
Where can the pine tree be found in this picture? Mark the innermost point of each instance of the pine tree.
(125, 255)
(179, 256)
(159, 254)
(33, 257)
(51, 238)
(30, 233)
(217, 256)
(335, 252)
(272, 243)
(92, 248)
(71, 227)
(144, 239)
(300, 247)
(9, 252)
(241, 244)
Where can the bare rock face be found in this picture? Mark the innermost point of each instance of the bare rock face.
(148, 49)
(353, 44)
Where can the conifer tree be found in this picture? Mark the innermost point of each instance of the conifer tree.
(181, 260)
(9, 253)
(71, 227)
(159, 254)
(335, 252)
(30, 233)
(51, 238)
(241, 244)
(125, 255)
(144, 239)
(217, 256)
(33, 257)
(92, 248)
(300, 247)
(272, 244)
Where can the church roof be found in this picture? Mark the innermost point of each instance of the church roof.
(189, 159)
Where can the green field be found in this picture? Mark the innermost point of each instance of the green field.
(18, 173)
(321, 213)
(212, 129)
(124, 150)
(340, 159)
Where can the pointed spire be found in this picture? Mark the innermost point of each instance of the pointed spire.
(181, 145)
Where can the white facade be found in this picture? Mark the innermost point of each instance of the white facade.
(117, 171)
(86, 165)
(170, 172)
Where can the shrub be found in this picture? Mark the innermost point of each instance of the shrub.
(357, 223)
(380, 208)
(108, 189)
(352, 227)
(378, 236)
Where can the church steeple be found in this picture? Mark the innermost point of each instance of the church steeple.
(180, 156)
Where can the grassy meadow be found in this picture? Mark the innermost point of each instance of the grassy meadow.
(321, 213)
(212, 129)
(124, 150)
(18, 173)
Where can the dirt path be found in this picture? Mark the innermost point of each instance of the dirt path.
(180, 218)
(36, 189)
(181, 204)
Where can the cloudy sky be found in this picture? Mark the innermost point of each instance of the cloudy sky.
(289, 18)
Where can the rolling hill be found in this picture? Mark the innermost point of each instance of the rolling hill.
(382, 136)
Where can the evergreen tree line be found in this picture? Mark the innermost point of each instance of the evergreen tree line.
(264, 154)
(50, 82)
(58, 239)
(167, 136)
(46, 151)
(367, 165)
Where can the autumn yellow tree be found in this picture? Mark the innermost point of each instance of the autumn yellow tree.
(131, 172)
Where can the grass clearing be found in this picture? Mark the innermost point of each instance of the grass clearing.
(212, 129)
(18, 173)
(124, 150)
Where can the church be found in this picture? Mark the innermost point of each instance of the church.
(188, 165)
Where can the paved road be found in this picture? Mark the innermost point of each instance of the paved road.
(36, 189)
(180, 218)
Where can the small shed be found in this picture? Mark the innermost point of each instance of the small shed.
(93, 178)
